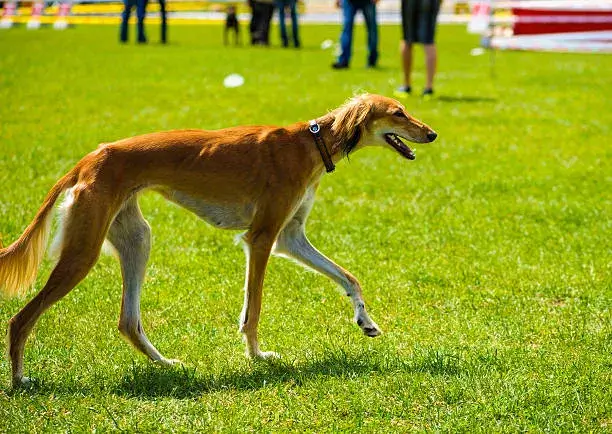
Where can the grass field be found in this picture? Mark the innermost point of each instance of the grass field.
(486, 261)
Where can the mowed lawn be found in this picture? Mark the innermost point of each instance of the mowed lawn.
(486, 261)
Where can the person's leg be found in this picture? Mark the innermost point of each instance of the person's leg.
(409, 13)
(346, 38)
(431, 62)
(237, 40)
(141, 11)
(280, 4)
(428, 24)
(268, 20)
(406, 50)
(125, 18)
(255, 22)
(369, 15)
(294, 23)
(263, 23)
(164, 26)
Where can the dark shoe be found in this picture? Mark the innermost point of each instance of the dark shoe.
(428, 94)
(371, 65)
(403, 92)
(340, 65)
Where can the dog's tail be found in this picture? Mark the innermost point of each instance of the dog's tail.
(19, 262)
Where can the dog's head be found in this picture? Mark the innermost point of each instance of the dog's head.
(374, 120)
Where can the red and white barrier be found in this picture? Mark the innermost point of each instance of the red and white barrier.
(532, 21)
(553, 26)
(63, 12)
(37, 11)
(587, 42)
(8, 14)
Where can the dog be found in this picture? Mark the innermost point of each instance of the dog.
(259, 179)
(231, 24)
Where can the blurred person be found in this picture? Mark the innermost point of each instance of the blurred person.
(349, 10)
(231, 24)
(262, 11)
(164, 23)
(282, 5)
(141, 10)
(419, 26)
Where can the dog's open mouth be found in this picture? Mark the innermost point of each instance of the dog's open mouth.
(395, 141)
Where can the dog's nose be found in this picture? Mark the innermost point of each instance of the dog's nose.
(431, 136)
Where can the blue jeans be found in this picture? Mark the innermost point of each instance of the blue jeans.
(281, 4)
(349, 10)
(141, 10)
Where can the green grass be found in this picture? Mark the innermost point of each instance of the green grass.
(486, 262)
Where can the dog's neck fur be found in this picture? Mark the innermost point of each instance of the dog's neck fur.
(335, 145)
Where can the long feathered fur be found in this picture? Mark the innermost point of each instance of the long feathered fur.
(20, 261)
(348, 121)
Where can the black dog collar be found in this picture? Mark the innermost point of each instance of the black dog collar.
(315, 129)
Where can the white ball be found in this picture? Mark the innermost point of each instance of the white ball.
(328, 43)
(233, 80)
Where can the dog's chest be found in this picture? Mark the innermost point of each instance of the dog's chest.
(224, 216)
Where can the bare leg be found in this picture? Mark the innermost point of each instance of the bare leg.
(292, 242)
(257, 250)
(431, 62)
(406, 51)
(131, 236)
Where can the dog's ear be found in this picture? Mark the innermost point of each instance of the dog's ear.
(349, 120)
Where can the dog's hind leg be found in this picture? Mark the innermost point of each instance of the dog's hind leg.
(292, 243)
(85, 230)
(130, 235)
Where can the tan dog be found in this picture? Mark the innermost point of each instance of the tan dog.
(261, 179)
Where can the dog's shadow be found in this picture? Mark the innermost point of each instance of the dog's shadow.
(148, 381)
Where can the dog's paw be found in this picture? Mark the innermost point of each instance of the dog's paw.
(369, 328)
(264, 355)
(169, 362)
(372, 331)
(269, 355)
(23, 383)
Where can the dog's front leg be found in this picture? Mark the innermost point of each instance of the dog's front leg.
(292, 242)
(257, 247)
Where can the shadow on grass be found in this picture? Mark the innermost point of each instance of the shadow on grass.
(147, 381)
(150, 381)
(465, 99)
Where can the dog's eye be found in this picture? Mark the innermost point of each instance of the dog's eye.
(399, 114)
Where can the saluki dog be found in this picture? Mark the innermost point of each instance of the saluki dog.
(261, 179)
